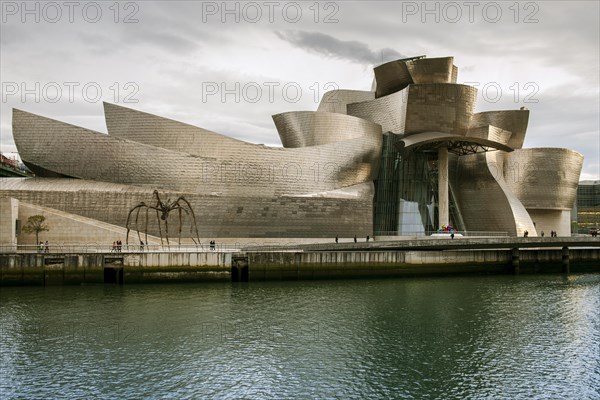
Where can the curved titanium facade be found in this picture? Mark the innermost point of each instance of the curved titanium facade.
(433, 70)
(391, 77)
(440, 107)
(492, 133)
(544, 178)
(485, 201)
(394, 76)
(335, 101)
(388, 111)
(142, 127)
(323, 181)
(308, 128)
(514, 121)
(80, 153)
(191, 166)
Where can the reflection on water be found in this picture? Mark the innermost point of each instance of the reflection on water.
(467, 337)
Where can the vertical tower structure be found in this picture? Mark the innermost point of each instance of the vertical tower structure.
(467, 160)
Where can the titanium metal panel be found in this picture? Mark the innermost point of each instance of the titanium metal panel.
(388, 111)
(489, 132)
(308, 128)
(544, 178)
(485, 200)
(391, 77)
(432, 70)
(335, 101)
(439, 107)
(188, 164)
(514, 121)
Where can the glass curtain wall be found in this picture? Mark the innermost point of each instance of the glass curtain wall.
(406, 193)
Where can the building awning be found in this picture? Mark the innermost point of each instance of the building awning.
(457, 144)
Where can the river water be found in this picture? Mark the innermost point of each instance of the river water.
(453, 337)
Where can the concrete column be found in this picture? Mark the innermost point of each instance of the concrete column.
(443, 187)
(514, 253)
(565, 260)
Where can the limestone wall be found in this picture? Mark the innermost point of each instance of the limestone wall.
(217, 216)
(551, 220)
(69, 228)
(9, 211)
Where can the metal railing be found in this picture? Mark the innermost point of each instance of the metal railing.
(424, 234)
(61, 248)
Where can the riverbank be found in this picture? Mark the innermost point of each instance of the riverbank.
(318, 261)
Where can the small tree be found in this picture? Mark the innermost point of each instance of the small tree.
(36, 224)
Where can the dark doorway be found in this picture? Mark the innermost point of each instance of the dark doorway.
(244, 277)
(113, 275)
(110, 275)
(235, 274)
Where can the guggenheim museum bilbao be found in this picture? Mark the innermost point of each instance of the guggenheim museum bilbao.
(405, 158)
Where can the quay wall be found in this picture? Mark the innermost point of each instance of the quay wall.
(97, 268)
(349, 264)
(153, 267)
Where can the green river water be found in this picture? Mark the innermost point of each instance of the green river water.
(484, 337)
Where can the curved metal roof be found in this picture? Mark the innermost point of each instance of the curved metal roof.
(457, 144)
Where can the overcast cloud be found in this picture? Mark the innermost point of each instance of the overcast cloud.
(327, 45)
(229, 66)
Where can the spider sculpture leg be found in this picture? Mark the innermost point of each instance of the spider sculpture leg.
(155, 194)
(142, 204)
(180, 223)
(159, 206)
(146, 228)
(194, 225)
(159, 228)
(167, 230)
(136, 224)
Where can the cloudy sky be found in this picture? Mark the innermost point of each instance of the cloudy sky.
(229, 66)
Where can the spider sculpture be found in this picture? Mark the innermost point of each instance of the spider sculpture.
(162, 216)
